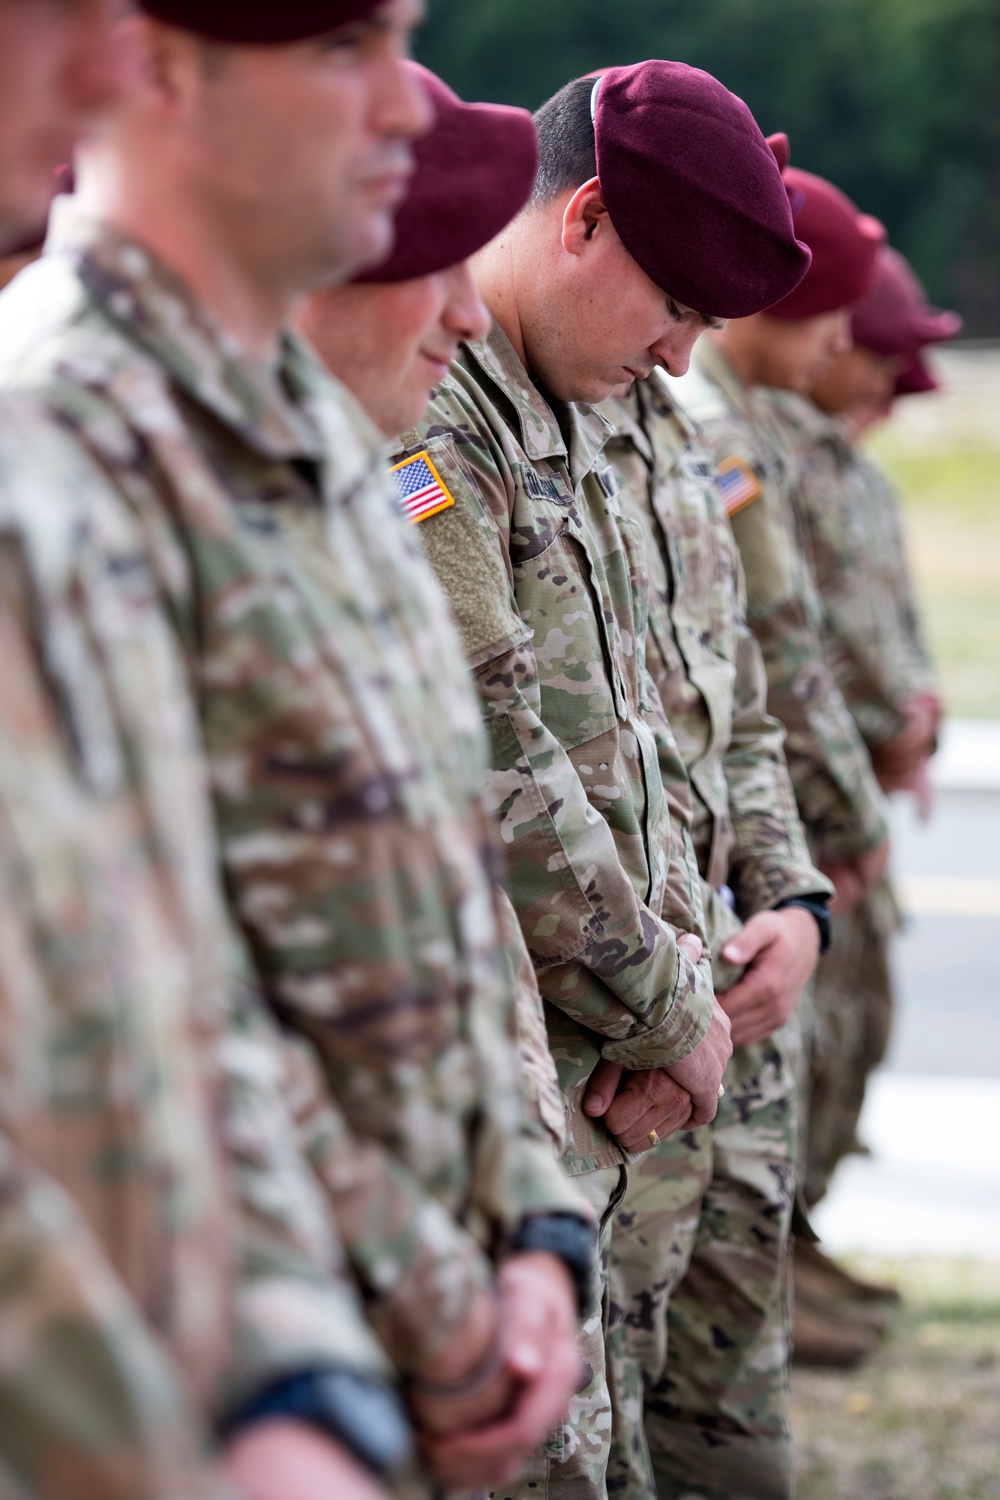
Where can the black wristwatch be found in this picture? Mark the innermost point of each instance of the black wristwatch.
(818, 907)
(569, 1237)
(361, 1412)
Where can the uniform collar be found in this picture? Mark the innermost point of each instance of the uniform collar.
(540, 429)
(268, 407)
(805, 419)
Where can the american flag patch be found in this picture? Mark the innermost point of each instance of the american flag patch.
(422, 492)
(738, 484)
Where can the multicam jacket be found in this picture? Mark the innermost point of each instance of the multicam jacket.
(345, 751)
(850, 531)
(547, 583)
(839, 800)
(164, 1251)
(704, 658)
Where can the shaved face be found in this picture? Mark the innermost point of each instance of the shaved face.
(304, 148)
(57, 73)
(859, 378)
(391, 345)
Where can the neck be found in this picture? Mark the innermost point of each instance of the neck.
(495, 271)
(738, 352)
(149, 205)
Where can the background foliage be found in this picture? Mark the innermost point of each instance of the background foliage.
(898, 101)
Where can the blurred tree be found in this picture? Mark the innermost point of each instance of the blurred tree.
(895, 100)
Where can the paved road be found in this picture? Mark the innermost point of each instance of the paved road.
(932, 1184)
(948, 964)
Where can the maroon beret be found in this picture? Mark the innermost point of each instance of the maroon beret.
(843, 242)
(474, 171)
(258, 22)
(894, 317)
(694, 190)
(916, 379)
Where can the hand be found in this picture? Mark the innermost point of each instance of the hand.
(779, 950)
(896, 761)
(466, 1350)
(539, 1338)
(700, 1073)
(648, 1100)
(853, 879)
(280, 1459)
(848, 891)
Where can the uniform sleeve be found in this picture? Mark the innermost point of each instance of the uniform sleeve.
(866, 645)
(877, 648)
(602, 955)
(297, 1305)
(87, 1395)
(769, 861)
(837, 794)
(91, 1402)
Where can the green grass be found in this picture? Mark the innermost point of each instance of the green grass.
(951, 501)
(921, 1421)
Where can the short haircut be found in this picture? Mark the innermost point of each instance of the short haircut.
(567, 153)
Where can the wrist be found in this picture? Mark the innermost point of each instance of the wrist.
(818, 908)
(571, 1240)
(361, 1413)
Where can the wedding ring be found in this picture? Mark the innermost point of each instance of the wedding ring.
(654, 1137)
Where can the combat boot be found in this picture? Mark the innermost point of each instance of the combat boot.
(824, 1341)
(826, 1275)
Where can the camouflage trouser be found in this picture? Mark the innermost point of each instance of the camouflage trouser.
(853, 1017)
(572, 1464)
(698, 1337)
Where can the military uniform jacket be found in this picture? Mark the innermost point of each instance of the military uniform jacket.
(547, 582)
(850, 532)
(838, 797)
(164, 1249)
(345, 751)
(704, 658)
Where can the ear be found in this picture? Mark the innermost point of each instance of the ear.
(583, 218)
(167, 64)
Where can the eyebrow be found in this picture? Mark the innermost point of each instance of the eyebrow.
(714, 323)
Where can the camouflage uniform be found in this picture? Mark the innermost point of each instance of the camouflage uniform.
(838, 798)
(164, 1252)
(548, 586)
(700, 1244)
(850, 534)
(345, 752)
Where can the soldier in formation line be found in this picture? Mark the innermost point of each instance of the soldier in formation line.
(230, 659)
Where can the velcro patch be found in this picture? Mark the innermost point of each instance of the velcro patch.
(738, 484)
(422, 491)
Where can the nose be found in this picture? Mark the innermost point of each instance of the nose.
(465, 313)
(673, 351)
(403, 107)
(843, 338)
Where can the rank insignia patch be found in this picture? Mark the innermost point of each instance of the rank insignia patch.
(738, 484)
(422, 492)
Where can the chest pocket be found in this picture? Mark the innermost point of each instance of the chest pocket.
(563, 596)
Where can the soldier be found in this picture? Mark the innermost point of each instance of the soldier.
(850, 532)
(592, 283)
(699, 1253)
(255, 158)
(790, 346)
(390, 335)
(166, 1262)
